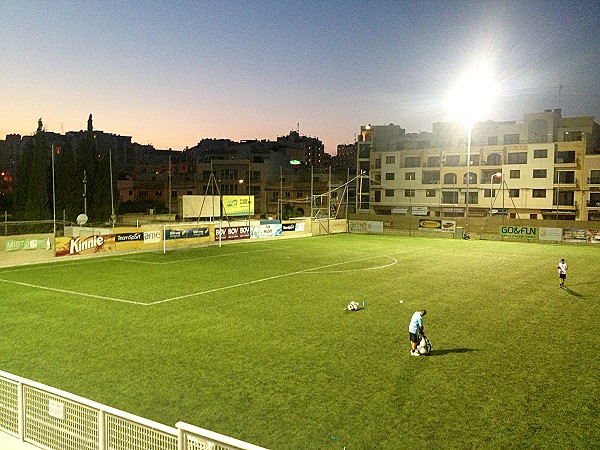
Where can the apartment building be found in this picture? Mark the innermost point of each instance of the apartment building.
(544, 168)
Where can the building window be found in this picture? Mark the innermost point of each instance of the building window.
(494, 159)
(450, 178)
(453, 160)
(515, 174)
(378, 163)
(487, 193)
(409, 176)
(539, 173)
(430, 193)
(449, 197)
(511, 139)
(571, 136)
(409, 192)
(377, 196)
(594, 177)
(472, 178)
(378, 177)
(389, 176)
(566, 157)
(517, 158)
(389, 192)
(433, 161)
(473, 197)
(412, 161)
(564, 177)
(513, 193)
(431, 177)
(390, 159)
(492, 140)
(540, 153)
(539, 193)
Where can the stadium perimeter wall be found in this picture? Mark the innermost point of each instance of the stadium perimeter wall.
(91, 241)
(487, 228)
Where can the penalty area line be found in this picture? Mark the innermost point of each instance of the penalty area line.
(81, 294)
(261, 280)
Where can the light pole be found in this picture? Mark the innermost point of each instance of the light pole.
(469, 125)
(468, 101)
(497, 174)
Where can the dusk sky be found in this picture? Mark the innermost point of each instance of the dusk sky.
(172, 73)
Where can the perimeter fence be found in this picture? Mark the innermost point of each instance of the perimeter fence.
(57, 420)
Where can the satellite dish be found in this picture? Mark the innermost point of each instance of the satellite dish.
(82, 219)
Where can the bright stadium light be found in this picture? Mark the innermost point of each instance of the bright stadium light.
(469, 102)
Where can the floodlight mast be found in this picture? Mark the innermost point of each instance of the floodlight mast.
(469, 100)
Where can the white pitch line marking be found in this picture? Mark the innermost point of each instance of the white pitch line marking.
(65, 291)
(274, 277)
(189, 259)
(209, 291)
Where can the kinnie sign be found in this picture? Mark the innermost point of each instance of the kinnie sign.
(519, 232)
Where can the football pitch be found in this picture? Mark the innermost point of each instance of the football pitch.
(252, 340)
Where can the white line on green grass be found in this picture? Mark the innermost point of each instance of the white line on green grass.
(65, 291)
(274, 277)
(209, 291)
(137, 261)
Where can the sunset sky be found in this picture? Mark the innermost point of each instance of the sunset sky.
(172, 73)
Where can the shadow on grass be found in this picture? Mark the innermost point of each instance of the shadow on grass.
(572, 292)
(445, 351)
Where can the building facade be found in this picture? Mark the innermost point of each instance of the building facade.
(543, 168)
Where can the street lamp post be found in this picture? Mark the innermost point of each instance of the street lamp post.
(497, 174)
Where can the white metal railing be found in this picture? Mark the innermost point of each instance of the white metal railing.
(57, 420)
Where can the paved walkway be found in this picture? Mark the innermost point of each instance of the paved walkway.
(8, 442)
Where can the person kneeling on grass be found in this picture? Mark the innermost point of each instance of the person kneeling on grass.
(414, 328)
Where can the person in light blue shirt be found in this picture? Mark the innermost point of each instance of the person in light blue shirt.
(416, 326)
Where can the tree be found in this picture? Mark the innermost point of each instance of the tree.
(69, 190)
(32, 201)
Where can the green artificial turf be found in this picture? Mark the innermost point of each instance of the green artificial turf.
(252, 340)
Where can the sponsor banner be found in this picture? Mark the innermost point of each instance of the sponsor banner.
(129, 237)
(232, 233)
(574, 235)
(27, 244)
(519, 232)
(550, 234)
(152, 237)
(288, 227)
(266, 231)
(365, 226)
(419, 210)
(298, 226)
(238, 205)
(85, 245)
(185, 233)
(447, 226)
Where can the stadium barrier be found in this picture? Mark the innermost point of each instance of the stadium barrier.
(57, 420)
